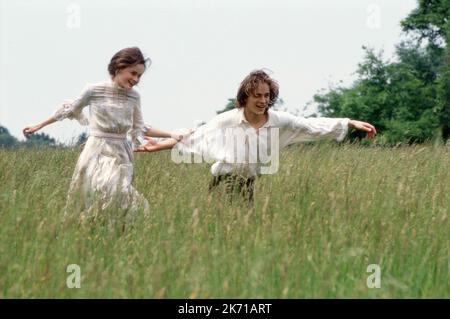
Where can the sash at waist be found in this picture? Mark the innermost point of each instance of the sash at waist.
(101, 134)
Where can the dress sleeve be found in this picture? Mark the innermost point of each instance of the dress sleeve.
(139, 127)
(73, 109)
(312, 129)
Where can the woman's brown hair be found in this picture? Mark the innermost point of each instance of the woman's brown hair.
(125, 58)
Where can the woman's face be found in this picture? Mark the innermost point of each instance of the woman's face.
(129, 76)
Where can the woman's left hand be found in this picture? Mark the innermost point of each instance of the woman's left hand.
(147, 146)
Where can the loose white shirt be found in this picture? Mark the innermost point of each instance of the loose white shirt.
(235, 146)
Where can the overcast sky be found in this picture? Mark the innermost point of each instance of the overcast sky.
(201, 50)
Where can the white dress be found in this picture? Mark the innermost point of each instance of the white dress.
(104, 171)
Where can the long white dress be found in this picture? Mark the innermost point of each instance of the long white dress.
(104, 172)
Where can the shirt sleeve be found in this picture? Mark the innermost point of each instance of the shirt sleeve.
(311, 129)
(73, 109)
(207, 142)
(139, 127)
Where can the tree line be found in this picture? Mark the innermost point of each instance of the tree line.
(35, 140)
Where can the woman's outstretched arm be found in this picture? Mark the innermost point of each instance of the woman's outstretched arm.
(155, 146)
(69, 109)
(154, 132)
(30, 129)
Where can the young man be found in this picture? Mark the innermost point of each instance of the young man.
(239, 141)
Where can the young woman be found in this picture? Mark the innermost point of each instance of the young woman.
(104, 171)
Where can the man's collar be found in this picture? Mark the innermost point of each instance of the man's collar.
(242, 119)
(241, 116)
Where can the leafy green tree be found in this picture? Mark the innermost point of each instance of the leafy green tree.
(444, 90)
(407, 99)
(399, 98)
(429, 21)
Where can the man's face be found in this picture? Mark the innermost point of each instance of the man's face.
(258, 102)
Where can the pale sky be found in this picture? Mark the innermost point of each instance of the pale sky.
(201, 50)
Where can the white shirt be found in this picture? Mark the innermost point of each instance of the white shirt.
(235, 146)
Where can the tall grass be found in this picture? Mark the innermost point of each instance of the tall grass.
(316, 225)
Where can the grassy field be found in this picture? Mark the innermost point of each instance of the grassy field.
(317, 224)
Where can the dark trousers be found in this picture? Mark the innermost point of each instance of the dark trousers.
(235, 185)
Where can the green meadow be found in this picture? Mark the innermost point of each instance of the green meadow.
(330, 212)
